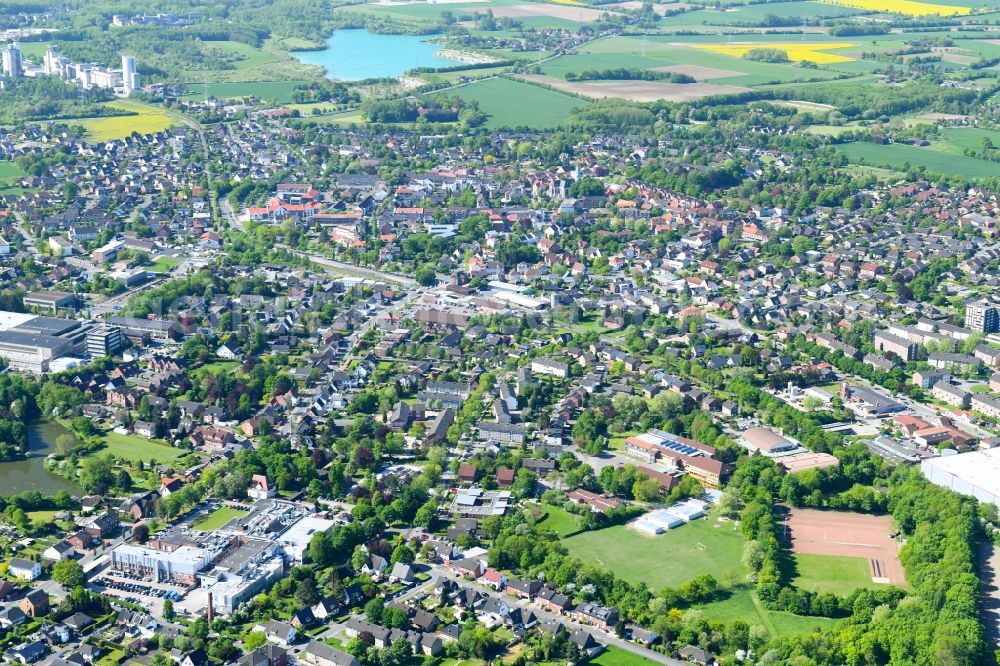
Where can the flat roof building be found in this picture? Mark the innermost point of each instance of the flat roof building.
(51, 301)
(976, 473)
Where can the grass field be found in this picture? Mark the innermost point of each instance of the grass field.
(558, 520)
(164, 264)
(135, 448)
(277, 92)
(148, 119)
(615, 656)
(897, 156)
(535, 107)
(667, 560)
(743, 605)
(830, 573)
(219, 367)
(9, 172)
(218, 518)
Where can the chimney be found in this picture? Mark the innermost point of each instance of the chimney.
(211, 612)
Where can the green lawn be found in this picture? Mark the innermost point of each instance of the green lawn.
(979, 388)
(742, 605)
(830, 573)
(218, 367)
(9, 172)
(218, 518)
(278, 92)
(615, 656)
(164, 264)
(535, 107)
(667, 560)
(558, 520)
(42, 517)
(135, 448)
(897, 156)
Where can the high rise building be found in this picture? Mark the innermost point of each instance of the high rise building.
(12, 64)
(130, 78)
(104, 341)
(982, 317)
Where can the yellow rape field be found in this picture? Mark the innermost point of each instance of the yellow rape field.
(571, 3)
(797, 51)
(908, 7)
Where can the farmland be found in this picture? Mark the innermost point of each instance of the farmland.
(277, 92)
(906, 7)
(146, 119)
(900, 157)
(536, 107)
(796, 51)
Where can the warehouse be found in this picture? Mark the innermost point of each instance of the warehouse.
(180, 565)
(976, 473)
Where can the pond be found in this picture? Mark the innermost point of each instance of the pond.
(352, 55)
(18, 476)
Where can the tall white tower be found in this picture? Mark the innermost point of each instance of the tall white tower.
(130, 78)
(12, 65)
(52, 64)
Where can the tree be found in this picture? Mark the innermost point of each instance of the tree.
(254, 640)
(68, 573)
(97, 474)
(590, 432)
(168, 609)
(646, 490)
(425, 276)
(140, 533)
(305, 593)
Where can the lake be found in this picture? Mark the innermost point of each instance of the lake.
(17, 476)
(352, 55)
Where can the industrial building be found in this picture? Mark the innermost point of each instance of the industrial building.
(52, 301)
(29, 342)
(13, 65)
(142, 329)
(976, 473)
(228, 566)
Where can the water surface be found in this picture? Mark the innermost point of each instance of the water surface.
(18, 476)
(352, 55)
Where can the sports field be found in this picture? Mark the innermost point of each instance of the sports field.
(899, 156)
(218, 518)
(148, 119)
(535, 107)
(830, 573)
(135, 448)
(704, 546)
(845, 535)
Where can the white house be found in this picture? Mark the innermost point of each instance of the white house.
(23, 569)
(58, 551)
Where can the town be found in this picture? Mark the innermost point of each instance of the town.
(373, 375)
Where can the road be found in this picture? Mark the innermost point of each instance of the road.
(351, 269)
(546, 616)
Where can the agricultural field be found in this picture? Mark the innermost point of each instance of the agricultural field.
(536, 107)
(899, 156)
(218, 518)
(907, 7)
(703, 546)
(148, 119)
(817, 52)
(276, 92)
